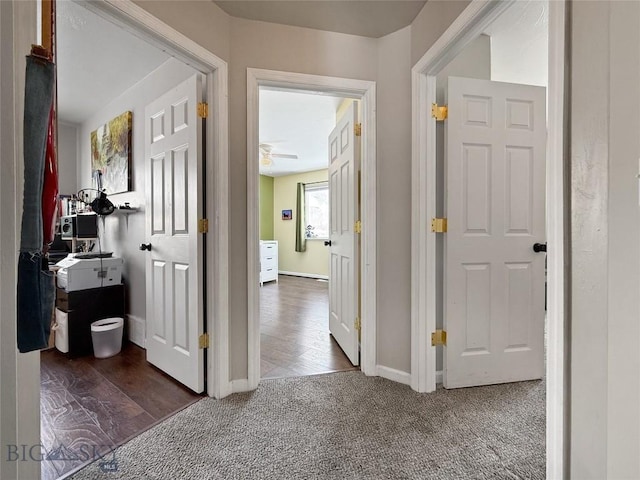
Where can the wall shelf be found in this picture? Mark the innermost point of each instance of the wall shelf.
(125, 211)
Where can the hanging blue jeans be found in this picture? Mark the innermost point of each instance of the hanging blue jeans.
(35, 282)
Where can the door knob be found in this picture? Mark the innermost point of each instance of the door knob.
(327, 243)
(145, 246)
(539, 247)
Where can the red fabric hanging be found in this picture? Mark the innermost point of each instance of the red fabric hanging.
(50, 186)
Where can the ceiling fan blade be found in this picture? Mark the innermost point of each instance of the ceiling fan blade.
(284, 155)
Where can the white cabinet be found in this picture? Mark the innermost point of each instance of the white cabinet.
(268, 261)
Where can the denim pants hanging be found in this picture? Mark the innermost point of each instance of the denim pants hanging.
(35, 281)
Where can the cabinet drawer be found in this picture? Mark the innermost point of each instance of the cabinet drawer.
(266, 275)
(268, 249)
(268, 262)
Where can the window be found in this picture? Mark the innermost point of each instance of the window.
(316, 210)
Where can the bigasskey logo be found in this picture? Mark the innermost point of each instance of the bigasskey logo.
(105, 455)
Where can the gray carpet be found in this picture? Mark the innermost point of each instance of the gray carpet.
(344, 426)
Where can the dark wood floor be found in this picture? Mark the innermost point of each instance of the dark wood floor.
(89, 403)
(294, 327)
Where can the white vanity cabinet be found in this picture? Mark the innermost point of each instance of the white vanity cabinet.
(268, 261)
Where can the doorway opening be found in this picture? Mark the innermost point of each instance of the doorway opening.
(296, 337)
(478, 18)
(359, 304)
(88, 402)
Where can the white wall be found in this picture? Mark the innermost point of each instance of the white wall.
(68, 158)
(623, 395)
(589, 243)
(605, 241)
(123, 235)
(275, 47)
(475, 61)
(394, 201)
(387, 60)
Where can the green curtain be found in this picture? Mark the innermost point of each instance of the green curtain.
(301, 238)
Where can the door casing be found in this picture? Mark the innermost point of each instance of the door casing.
(471, 22)
(366, 92)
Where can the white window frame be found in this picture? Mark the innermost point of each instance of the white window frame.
(310, 188)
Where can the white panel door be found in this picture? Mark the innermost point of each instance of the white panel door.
(495, 206)
(174, 267)
(344, 155)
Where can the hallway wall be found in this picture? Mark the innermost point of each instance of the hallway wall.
(605, 240)
(387, 60)
(275, 47)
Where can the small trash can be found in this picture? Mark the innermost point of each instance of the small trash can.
(106, 335)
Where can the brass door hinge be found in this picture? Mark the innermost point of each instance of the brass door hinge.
(439, 337)
(203, 341)
(203, 110)
(357, 324)
(357, 129)
(203, 225)
(438, 112)
(357, 228)
(439, 225)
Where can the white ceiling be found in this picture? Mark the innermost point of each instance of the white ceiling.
(298, 124)
(97, 61)
(369, 18)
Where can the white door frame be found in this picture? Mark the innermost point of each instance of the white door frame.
(20, 372)
(361, 89)
(471, 22)
(144, 25)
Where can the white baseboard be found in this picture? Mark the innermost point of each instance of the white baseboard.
(394, 375)
(137, 330)
(438, 377)
(306, 275)
(240, 385)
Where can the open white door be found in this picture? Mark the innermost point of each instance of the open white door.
(495, 204)
(174, 267)
(344, 157)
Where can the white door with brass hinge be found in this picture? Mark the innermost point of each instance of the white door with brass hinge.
(495, 207)
(344, 157)
(174, 266)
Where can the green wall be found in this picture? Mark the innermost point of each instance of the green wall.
(266, 208)
(316, 259)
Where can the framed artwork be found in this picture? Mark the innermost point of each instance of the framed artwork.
(111, 155)
(287, 214)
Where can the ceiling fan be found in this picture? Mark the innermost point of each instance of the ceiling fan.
(267, 155)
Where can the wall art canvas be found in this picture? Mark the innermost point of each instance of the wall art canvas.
(111, 155)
